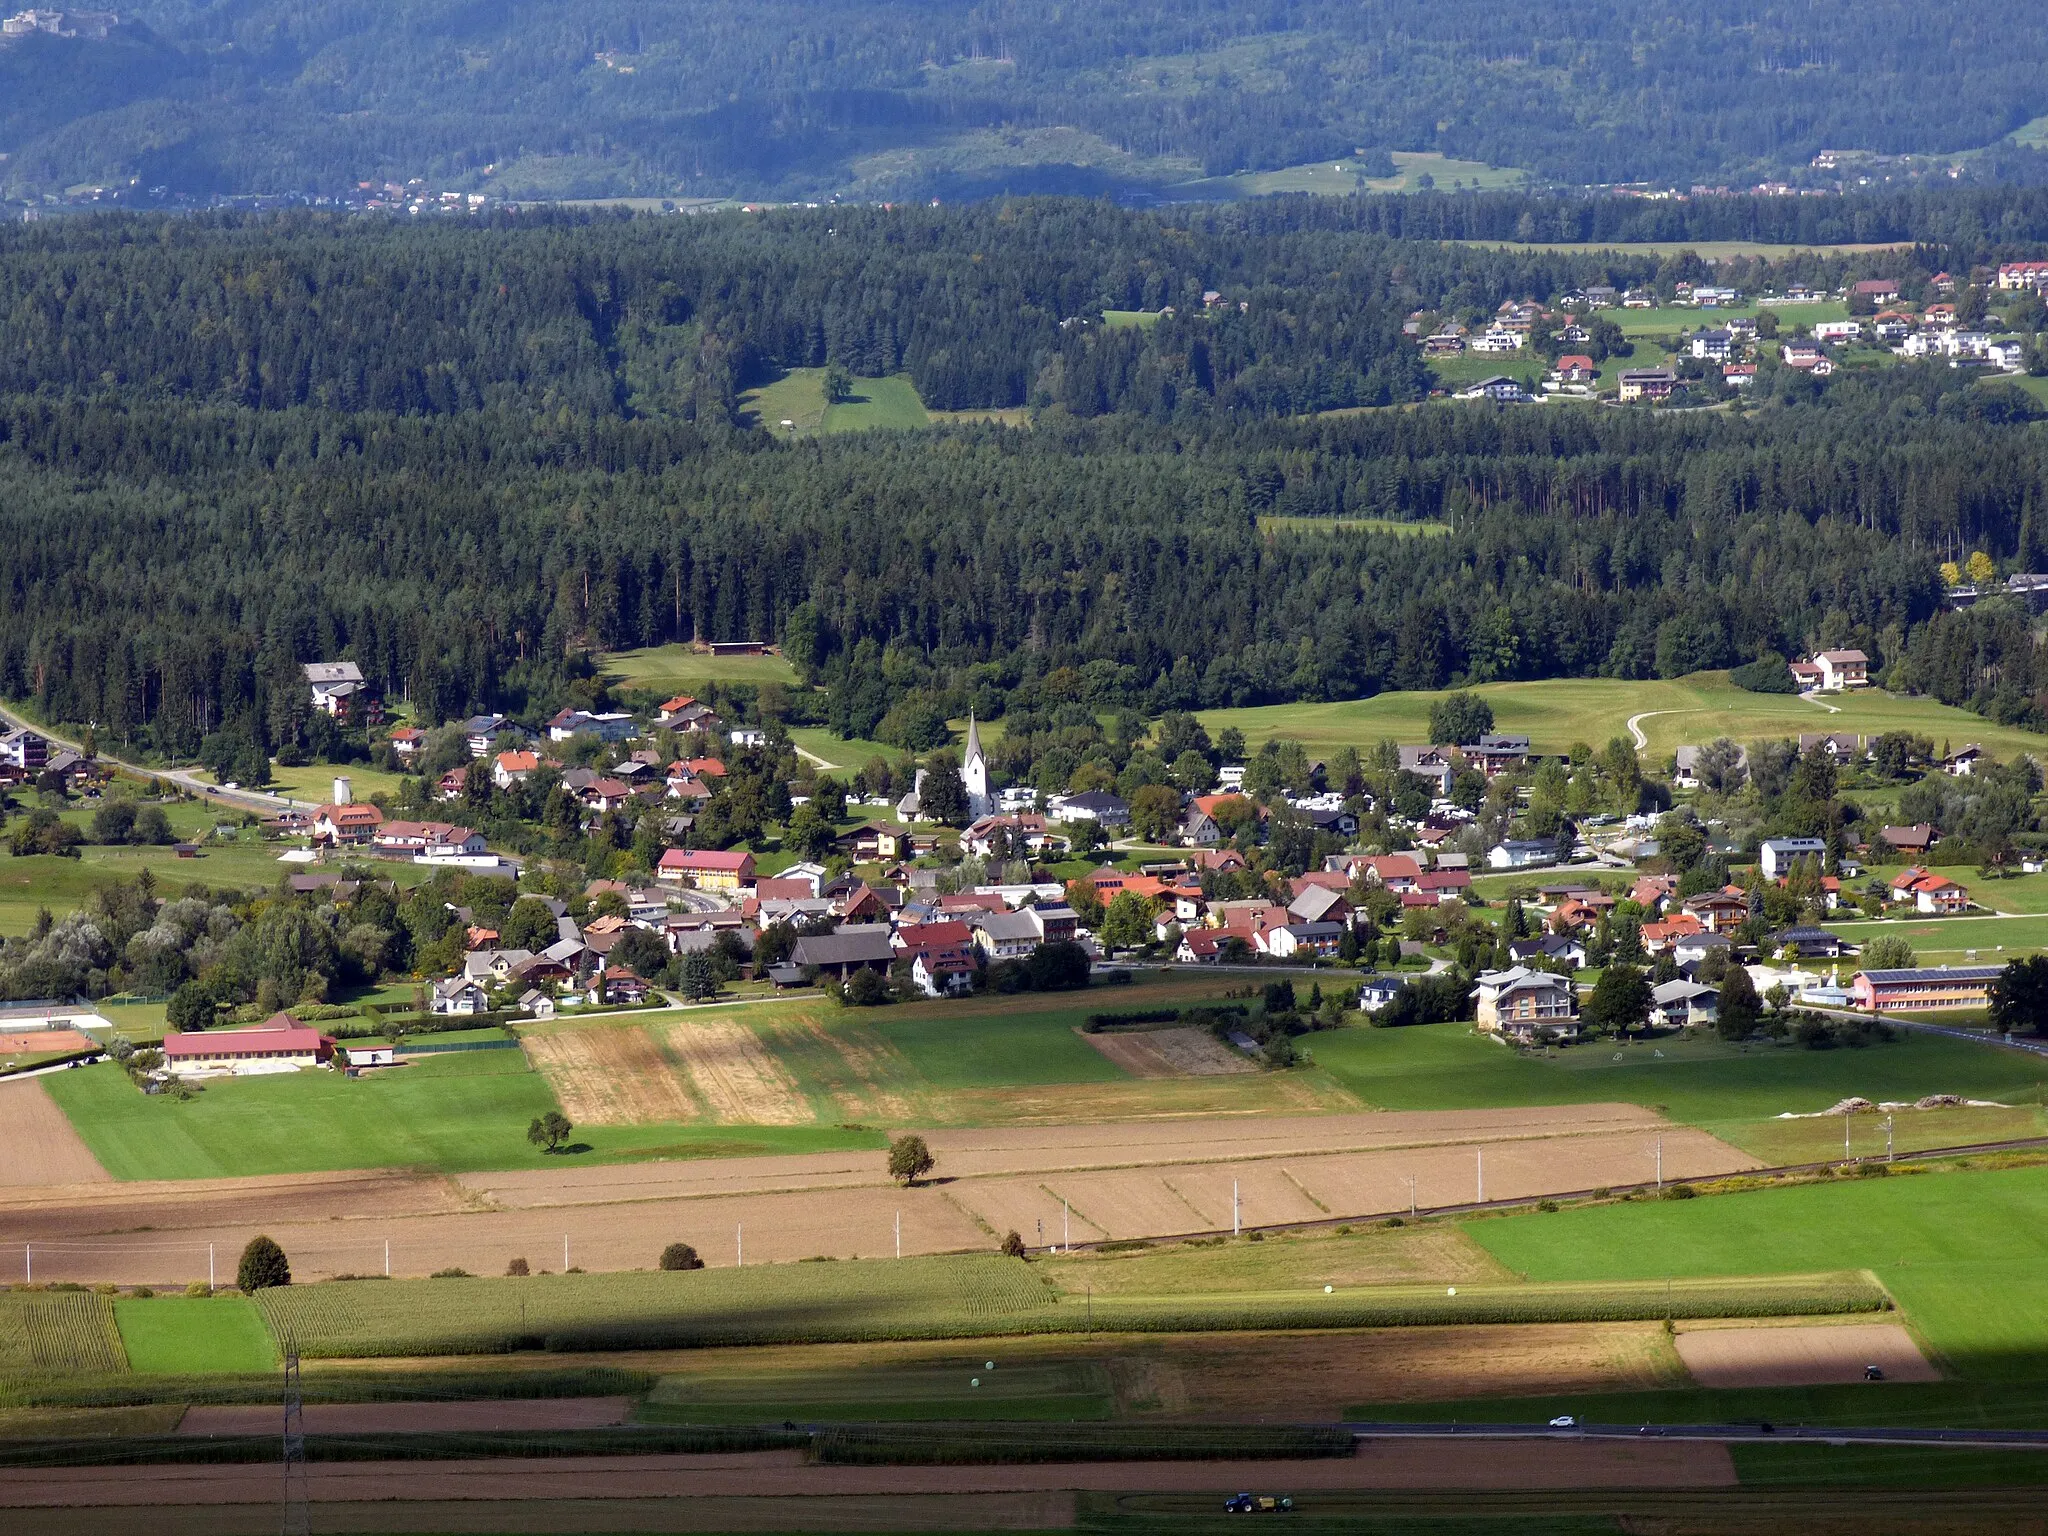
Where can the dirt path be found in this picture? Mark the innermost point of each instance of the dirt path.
(1388, 1464)
(42, 1146)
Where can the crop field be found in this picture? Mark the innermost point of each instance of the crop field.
(58, 1333)
(954, 1389)
(1956, 1247)
(187, 1335)
(1594, 710)
(766, 1304)
(670, 669)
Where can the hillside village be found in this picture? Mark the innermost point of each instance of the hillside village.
(1466, 876)
(1739, 338)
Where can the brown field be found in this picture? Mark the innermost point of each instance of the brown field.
(1156, 1098)
(611, 1076)
(42, 1149)
(1805, 1355)
(408, 1418)
(1403, 1463)
(42, 1042)
(1156, 1180)
(1172, 1053)
(739, 1082)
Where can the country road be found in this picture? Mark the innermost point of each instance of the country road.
(184, 778)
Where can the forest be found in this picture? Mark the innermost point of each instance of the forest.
(906, 98)
(230, 446)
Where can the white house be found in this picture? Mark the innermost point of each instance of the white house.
(1522, 853)
(1777, 854)
(1843, 669)
(1526, 1003)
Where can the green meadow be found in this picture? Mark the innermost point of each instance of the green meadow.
(669, 669)
(1674, 712)
(1959, 1249)
(797, 397)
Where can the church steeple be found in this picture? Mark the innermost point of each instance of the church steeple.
(973, 753)
(974, 772)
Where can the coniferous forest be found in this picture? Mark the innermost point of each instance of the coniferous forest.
(472, 457)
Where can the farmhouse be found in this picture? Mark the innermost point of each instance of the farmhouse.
(1933, 986)
(279, 1044)
(346, 826)
(426, 840)
(707, 869)
(340, 693)
(852, 948)
(1843, 669)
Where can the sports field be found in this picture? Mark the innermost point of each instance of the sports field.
(1672, 713)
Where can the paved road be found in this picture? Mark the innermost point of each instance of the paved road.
(185, 778)
(1741, 1434)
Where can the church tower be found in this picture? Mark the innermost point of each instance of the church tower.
(974, 774)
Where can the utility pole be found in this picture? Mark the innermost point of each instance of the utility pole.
(1066, 1236)
(298, 1518)
(899, 1234)
(209, 1266)
(1660, 1162)
(1846, 1122)
(1887, 1138)
(1480, 1153)
(565, 1253)
(28, 1261)
(1411, 1194)
(739, 1239)
(1236, 1213)
(387, 1258)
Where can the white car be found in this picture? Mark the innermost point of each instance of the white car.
(1564, 1421)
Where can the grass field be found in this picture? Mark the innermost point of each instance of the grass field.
(64, 885)
(191, 1336)
(1470, 367)
(1124, 319)
(1338, 178)
(1669, 322)
(671, 669)
(844, 755)
(965, 1388)
(462, 1111)
(58, 1333)
(1736, 1092)
(1958, 1248)
(798, 397)
(1593, 710)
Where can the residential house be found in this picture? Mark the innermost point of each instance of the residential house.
(1392, 871)
(340, 693)
(618, 986)
(1738, 375)
(1842, 746)
(1836, 332)
(1434, 765)
(1715, 346)
(1494, 754)
(1526, 1004)
(1879, 290)
(458, 995)
(1805, 676)
(1095, 805)
(1810, 942)
(1551, 949)
(426, 840)
(1692, 949)
(1201, 946)
(1375, 992)
(707, 869)
(611, 726)
(1666, 932)
(943, 972)
(1929, 892)
(1718, 911)
(1292, 939)
(1962, 764)
(510, 768)
(25, 749)
(1778, 854)
(1843, 669)
(1647, 383)
(480, 733)
(2015, 275)
(1681, 1004)
(605, 794)
(1006, 935)
(1807, 358)
(1913, 841)
(944, 933)
(1498, 339)
(1522, 853)
(1499, 388)
(407, 741)
(1576, 368)
(346, 826)
(1056, 924)
(1925, 987)
(1318, 903)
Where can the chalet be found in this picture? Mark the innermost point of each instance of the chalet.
(450, 785)
(480, 733)
(613, 726)
(1666, 932)
(1526, 1004)
(1494, 755)
(1913, 841)
(1738, 375)
(1961, 765)
(1576, 369)
(1807, 358)
(617, 985)
(1778, 854)
(1499, 388)
(347, 826)
(1842, 746)
(405, 742)
(340, 693)
(1375, 992)
(1929, 892)
(707, 869)
(1647, 383)
(1879, 290)
(510, 768)
(1718, 911)
(1843, 669)
(279, 1044)
(1925, 987)
(673, 709)
(605, 794)
(1805, 676)
(25, 749)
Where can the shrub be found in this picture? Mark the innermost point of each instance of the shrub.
(680, 1256)
(1013, 1245)
(1768, 674)
(1681, 1192)
(518, 1267)
(453, 1272)
(263, 1265)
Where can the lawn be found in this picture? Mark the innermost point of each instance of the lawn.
(970, 1046)
(670, 669)
(194, 1336)
(1126, 319)
(1669, 322)
(1959, 1249)
(64, 885)
(1674, 712)
(1734, 1091)
(840, 753)
(888, 403)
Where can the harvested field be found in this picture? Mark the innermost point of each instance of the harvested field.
(1163, 1099)
(43, 1147)
(411, 1418)
(612, 1076)
(733, 1074)
(1806, 1355)
(1400, 1463)
(1172, 1053)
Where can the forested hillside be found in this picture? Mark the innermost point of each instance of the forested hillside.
(471, 458)
(904, 97)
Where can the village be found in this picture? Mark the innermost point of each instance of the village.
(1475, 878)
